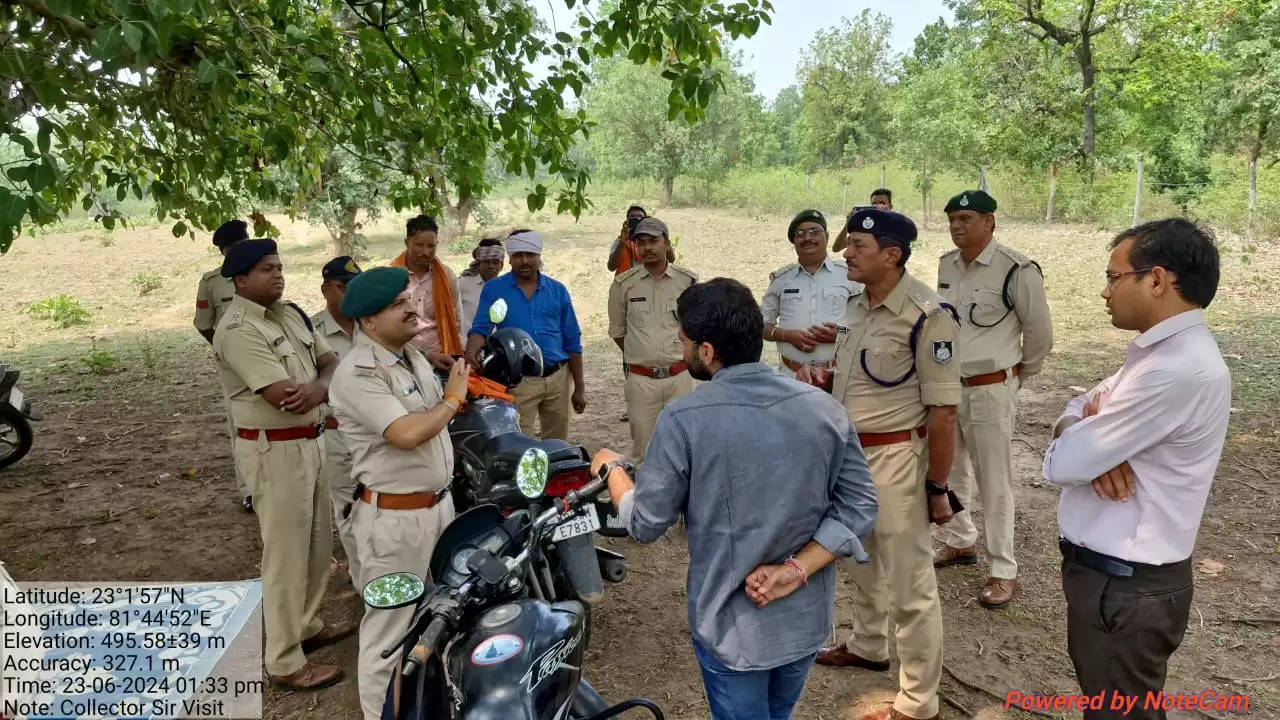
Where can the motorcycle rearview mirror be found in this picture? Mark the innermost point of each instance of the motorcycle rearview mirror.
(394, 590)
(498, 311)
(531, 472)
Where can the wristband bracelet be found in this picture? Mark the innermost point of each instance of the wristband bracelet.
(795, 565)
(461, 402)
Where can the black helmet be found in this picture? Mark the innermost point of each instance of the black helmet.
(509, 354)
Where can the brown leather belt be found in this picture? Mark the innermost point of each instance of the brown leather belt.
(990, 378)
(304, 432)
(402, 501)
(331, 423)
(795, 366)
(890, 438)
(658, 373)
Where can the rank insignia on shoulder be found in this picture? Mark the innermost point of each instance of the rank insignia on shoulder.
(942, 351)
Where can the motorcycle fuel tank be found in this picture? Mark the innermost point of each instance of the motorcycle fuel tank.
(522, 661)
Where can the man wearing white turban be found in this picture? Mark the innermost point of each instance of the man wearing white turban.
(542, 307)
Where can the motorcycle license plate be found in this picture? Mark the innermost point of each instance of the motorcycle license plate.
(587, 521)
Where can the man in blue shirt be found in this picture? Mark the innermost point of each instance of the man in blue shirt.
(773, 485)
(541, 307)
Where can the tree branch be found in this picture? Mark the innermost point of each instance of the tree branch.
(1059, 34)
(382, 29)
(73, 26)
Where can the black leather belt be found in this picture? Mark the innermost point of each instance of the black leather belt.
(550, 370)
(1106, 564)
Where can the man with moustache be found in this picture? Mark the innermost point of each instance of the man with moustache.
(540, 306)
(434, 289)
(623, 254)
(881, 198)
(276, 372)
(394, 416)
(897, 376)
(807, 298)
(486, 265)
(761, 582)
(337, 329)
(1135, 458)
(1005, 336)
(642, 321)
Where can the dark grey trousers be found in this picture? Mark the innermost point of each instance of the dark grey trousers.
(1121, 632)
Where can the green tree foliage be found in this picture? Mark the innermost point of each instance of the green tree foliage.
(844, 83)
(189, 102)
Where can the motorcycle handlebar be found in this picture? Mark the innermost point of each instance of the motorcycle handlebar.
(427, 645)
(588, 491)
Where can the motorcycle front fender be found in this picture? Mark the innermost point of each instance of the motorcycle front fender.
(578, 554)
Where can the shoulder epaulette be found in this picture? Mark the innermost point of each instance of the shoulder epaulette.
(785, 268)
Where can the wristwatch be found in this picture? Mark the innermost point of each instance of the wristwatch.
(605, 469)
(933, 488)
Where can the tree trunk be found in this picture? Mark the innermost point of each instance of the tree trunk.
(884, 171)
(982, 179)
(668, 189)
(1137, 197)
(1088, 87)
(1053, 191)
(342, 233)
(924, 195)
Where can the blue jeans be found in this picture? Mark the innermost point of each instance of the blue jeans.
(752, 695)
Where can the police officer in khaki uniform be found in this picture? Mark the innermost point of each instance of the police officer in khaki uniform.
(213, 294)
(394, 417)
(897, 375)
(337, 330)
(276, 370)
(642, 321)
(1005, 335)
(806, 299)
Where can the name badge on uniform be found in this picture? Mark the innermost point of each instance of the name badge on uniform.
(409, 390)
(842, 329)
(943, 286)
(637, 299)
(277, 341)
(790, 290)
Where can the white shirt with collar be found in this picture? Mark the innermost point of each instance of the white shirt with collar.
(797, 300)
(1166, 413)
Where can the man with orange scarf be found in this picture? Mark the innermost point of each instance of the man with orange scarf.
(433, 290)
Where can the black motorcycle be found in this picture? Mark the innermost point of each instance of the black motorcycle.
(16, 414)
(479, 647)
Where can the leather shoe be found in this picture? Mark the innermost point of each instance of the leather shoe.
(839, 656)
(247, 504)
(998, 592)
(328, 635)
(891, 714)
(948, 556)
(309, 677)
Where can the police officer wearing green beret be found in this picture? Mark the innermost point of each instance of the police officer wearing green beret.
(393, 415)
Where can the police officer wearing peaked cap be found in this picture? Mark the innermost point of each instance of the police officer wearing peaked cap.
(897, 376)
(1005, 335)
(276, 370)
(393, 415)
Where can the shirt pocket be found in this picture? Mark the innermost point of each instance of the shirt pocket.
(834, 303)
(886, 362)
(639, 309)
(547, 319)
(409, 395)
(986, 307)
(791, 303)
(287, 355)
(669, 319)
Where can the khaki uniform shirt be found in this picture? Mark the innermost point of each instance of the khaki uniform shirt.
(642, 309)
(993, 337)
(259, 346)
(213, 294)
(373, 388)
(880, 336)
(421, 294)
(329, 329)
(469, 287)
(798, 300)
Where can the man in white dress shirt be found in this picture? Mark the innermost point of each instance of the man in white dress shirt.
(1135, 457)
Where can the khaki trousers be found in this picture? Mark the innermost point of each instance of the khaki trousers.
(899, 581)
(293, 516)
(645, 399)
(547, 401)
(337, 477)
(390, 541)
(985, 417)
(241, 488)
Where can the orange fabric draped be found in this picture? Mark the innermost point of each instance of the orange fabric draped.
(442, 304)
(479, 387)
(627, 260)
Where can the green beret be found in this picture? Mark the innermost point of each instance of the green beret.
(242, 256)
(975, 200)
(805, 216)
(370, 292)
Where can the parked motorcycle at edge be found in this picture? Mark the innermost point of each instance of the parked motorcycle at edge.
(16, 414)
(479, 646)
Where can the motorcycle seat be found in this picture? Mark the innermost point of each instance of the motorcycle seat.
(502, 454)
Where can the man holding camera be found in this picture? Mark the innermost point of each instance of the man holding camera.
(623, 254)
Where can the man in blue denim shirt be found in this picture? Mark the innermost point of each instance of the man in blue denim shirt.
(773, 485)
(541, 307)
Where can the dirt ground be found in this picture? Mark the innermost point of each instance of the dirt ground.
(131, 475)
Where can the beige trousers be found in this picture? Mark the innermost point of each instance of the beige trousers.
(986, 416)
(899, 581)
(645, 399)
(337, 477)
(292, 507)
(390, 541)
(545, 400)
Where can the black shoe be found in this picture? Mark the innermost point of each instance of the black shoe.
(247, 504)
